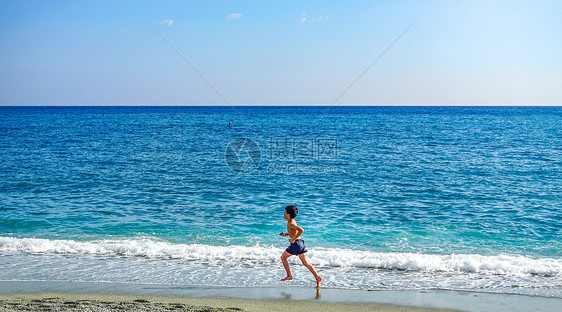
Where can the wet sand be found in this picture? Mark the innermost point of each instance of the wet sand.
(104, 302)
(85, 296)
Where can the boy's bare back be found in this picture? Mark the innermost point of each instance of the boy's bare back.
(294, 230)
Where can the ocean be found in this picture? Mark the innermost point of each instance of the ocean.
(390, 198)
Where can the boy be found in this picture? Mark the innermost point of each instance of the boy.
(297, 245)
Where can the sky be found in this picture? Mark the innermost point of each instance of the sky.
(280, 52)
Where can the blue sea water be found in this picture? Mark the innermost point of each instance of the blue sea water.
(464, 198)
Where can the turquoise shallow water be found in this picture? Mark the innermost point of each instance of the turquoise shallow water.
(391, 183)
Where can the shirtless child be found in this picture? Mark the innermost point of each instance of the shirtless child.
(297, 245)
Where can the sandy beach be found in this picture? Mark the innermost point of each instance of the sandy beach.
(71, 296)
(104, 302)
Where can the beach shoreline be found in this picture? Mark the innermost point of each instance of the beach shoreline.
(113, 302)
(262, 298)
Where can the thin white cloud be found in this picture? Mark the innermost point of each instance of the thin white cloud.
(312, 18)
(167, 22)
(234, 16)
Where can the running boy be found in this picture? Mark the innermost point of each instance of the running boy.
(297, 245)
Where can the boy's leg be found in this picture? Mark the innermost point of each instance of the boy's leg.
(284, 257)
(311, 268)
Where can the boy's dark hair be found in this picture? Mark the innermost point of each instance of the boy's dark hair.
(293, 211)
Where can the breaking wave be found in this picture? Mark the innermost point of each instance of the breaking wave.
(323, 257)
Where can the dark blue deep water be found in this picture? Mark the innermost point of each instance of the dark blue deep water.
(449, 195)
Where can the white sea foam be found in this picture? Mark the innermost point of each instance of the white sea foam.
(149, 248)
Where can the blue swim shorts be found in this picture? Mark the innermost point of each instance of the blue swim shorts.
(296, 248)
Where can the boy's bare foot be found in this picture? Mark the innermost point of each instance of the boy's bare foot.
(318, 281)
(288, 278)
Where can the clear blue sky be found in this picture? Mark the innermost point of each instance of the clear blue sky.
(280, 52)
